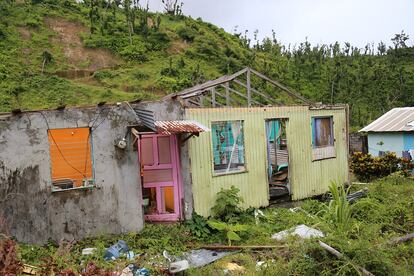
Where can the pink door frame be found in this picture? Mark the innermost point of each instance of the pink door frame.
(175, 183)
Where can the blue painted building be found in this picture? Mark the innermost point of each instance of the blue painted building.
(392, 132)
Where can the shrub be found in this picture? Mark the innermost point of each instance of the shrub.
(105, 74)
(227, 204)
(366, 167)
(134, 53)
(187, 33)
(9, 262)
(198, 226)
(157, 41)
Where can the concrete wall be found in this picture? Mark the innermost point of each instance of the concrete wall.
(385, 141)
(35, 214)
(408, 139)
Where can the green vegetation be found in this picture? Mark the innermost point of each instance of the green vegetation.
(227, 205)
(366, 167)
(368, 226)
(47, 46)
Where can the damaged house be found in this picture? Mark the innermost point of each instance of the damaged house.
(78, 172)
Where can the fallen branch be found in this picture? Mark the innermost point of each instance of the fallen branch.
(339, 255)
(405, 238)
(240, 247)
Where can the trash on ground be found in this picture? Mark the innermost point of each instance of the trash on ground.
(302, 231)
(133, 270)
(260, 264)
(30, 270)
(354, 196)
(257, 215)
(88, 251)
(167, 256)
(234, 267)
(357, 195)
(115, 251)
(130, 255)
(196, 258)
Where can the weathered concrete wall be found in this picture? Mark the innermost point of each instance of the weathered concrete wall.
(168, 110)
(35, 214)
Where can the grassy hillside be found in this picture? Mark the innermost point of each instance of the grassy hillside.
(63, 52)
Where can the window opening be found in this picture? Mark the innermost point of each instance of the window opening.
(228, 146)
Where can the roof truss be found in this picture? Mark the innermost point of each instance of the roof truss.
(234, 90)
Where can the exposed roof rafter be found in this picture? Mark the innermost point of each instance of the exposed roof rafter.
(199, 94)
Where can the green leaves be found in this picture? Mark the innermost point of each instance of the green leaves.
(229, 229)
(367, 168)
(227, 204)
(232, 236)
(218, 225)
(198, 226)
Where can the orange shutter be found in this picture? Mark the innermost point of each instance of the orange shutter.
(70, 154)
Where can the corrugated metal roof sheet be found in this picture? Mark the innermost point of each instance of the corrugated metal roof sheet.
(146, 117)
(186, 126)
(397, 119)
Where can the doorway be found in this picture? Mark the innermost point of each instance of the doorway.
(277, 158)
(161, 182)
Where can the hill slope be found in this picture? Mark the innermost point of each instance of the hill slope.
(63, 52)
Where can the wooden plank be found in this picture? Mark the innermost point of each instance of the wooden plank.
(213, 96)
(193, 103)
(230, 99)
(227, 93)
(256, 91)
(339, 255)
(281, 86)
(243, 96)
(201, 100)
(196, 90)
(211, 101)
(402, 239)
(239, 247)
(249, 92)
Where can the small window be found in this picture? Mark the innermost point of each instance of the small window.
(228, 146)
(322, 138)
(70, 155)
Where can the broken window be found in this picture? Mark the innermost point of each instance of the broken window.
(323, 138)
(70, 155)
(228, 146)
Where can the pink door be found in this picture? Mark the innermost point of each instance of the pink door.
(160, 175)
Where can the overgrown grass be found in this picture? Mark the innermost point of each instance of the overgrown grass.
(386, 212)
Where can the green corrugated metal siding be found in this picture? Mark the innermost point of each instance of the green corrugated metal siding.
(307, 178)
